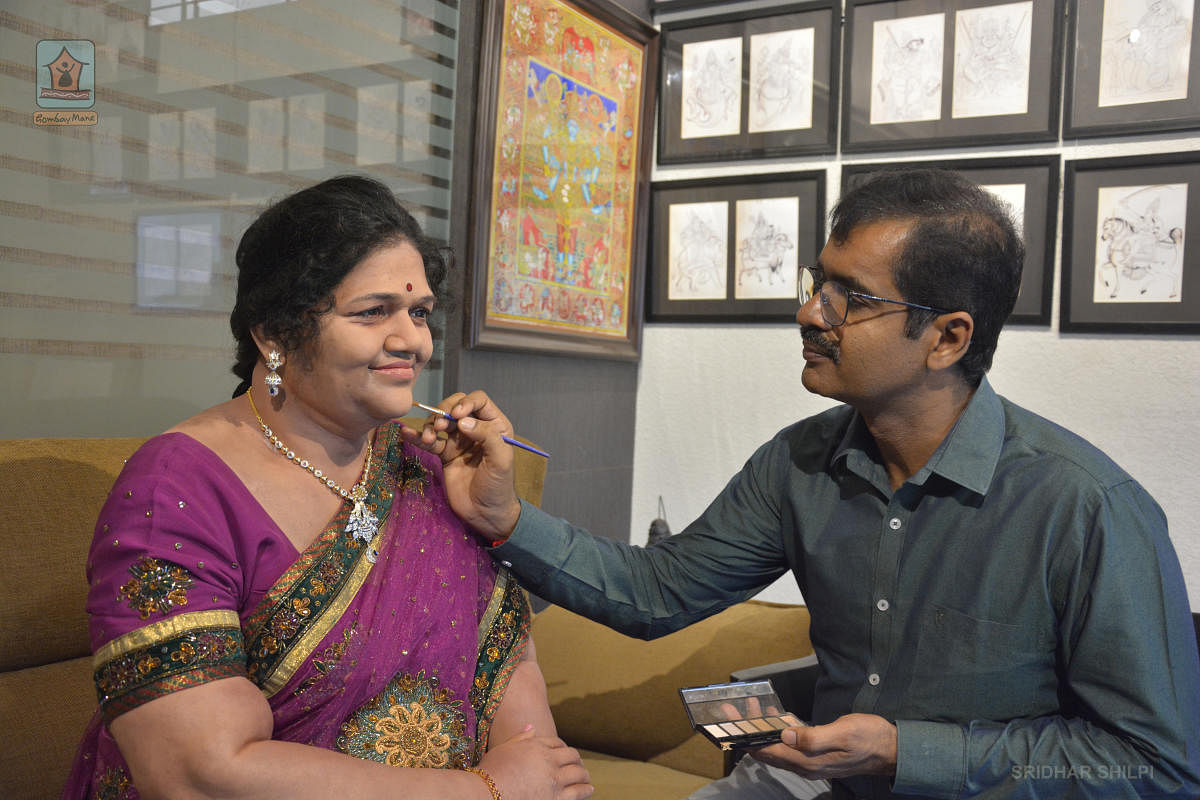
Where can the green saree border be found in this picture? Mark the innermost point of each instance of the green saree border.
(309, 599)
(503, 637)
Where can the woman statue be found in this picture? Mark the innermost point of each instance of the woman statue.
(282, 603)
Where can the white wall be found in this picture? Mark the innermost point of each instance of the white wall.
(708, 395)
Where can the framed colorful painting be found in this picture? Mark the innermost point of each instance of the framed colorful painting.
(564, 118)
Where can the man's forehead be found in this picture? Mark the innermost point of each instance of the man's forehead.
(864, 260)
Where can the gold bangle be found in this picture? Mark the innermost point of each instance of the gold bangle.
(491, 784)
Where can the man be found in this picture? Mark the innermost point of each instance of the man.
(996, 606)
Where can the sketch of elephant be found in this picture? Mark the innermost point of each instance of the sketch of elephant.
(699, 264)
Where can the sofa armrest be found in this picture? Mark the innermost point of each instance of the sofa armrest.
(794, 682)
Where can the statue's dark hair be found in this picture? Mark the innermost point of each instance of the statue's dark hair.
(962, 252)
(295, 254)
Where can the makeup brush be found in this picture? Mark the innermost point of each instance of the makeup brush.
(510, 440)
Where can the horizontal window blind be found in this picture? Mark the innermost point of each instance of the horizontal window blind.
(117, 238)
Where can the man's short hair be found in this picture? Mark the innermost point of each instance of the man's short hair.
(962, 252)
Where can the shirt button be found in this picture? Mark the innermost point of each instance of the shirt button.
(883, 604)
(873, 679)
(506, 564)
(894, 523)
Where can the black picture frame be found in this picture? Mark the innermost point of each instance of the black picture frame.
(559, 310)
(667, 296)
(1039, 220)
(820, 135)
(1097, 57)
(887, 114)
(664, 6)
(1147, 196)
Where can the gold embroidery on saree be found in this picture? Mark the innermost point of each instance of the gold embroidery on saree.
(309, 599)
(413, 722)
(156, 586)
(177, 653)
(503, 636)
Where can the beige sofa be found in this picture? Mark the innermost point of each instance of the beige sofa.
(613, 697)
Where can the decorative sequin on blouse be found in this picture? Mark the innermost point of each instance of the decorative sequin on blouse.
(114, 784)
(157, 586)
(411, 476)
(412, 723)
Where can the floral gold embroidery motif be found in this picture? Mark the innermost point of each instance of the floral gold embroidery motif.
(157, 586)
(114, 784)
(412, 476)
(328, 660)
(414, 722)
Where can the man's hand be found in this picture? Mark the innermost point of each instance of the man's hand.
(856, 744)
(476, 461)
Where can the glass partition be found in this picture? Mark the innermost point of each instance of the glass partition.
(142, 136)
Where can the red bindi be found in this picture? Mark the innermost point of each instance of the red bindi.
(408, 286)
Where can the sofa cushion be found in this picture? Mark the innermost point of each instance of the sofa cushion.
(53, 490)
(43, 712)
(616, 695)
(625, 779)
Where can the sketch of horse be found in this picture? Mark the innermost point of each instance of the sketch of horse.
(1138, 252)
(763, 252)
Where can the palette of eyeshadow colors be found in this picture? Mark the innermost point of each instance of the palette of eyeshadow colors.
(737, 715)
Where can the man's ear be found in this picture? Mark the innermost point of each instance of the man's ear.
(953, 333)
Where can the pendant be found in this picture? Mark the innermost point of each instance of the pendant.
(362, 524)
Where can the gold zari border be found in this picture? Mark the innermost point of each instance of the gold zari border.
(330, 615)
(493, 607)
(165, 629)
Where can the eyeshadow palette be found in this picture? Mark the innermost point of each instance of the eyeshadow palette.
(736, 715)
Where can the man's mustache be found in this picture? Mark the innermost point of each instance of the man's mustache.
(816, 340)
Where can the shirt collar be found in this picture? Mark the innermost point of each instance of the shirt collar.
(967, 456)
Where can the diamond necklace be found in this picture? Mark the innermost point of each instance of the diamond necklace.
(363, 523)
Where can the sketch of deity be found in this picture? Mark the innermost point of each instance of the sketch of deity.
(1139, 243)
(767, 235)
(781, 76)
(1013, 197)
(697, 247)
(906, 69)
(711, 88)
(991, 60)
(1145, 47)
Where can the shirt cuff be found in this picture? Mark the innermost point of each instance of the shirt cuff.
(930, 758)
(533, 544)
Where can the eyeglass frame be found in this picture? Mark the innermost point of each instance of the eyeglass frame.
(813, 269)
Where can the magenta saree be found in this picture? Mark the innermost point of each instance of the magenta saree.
(396, 650)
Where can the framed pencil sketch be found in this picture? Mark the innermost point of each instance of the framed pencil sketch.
(1029, 185)
(933, 73)
(1130, 244)
(562, 163)
(730, 249)
(1134, 68)
(749, 85)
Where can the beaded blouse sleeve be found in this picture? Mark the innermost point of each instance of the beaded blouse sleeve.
(167, 576)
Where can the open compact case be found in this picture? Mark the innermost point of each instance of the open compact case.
(737, 715)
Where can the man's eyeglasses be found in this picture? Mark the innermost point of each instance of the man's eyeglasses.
(835, 298)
